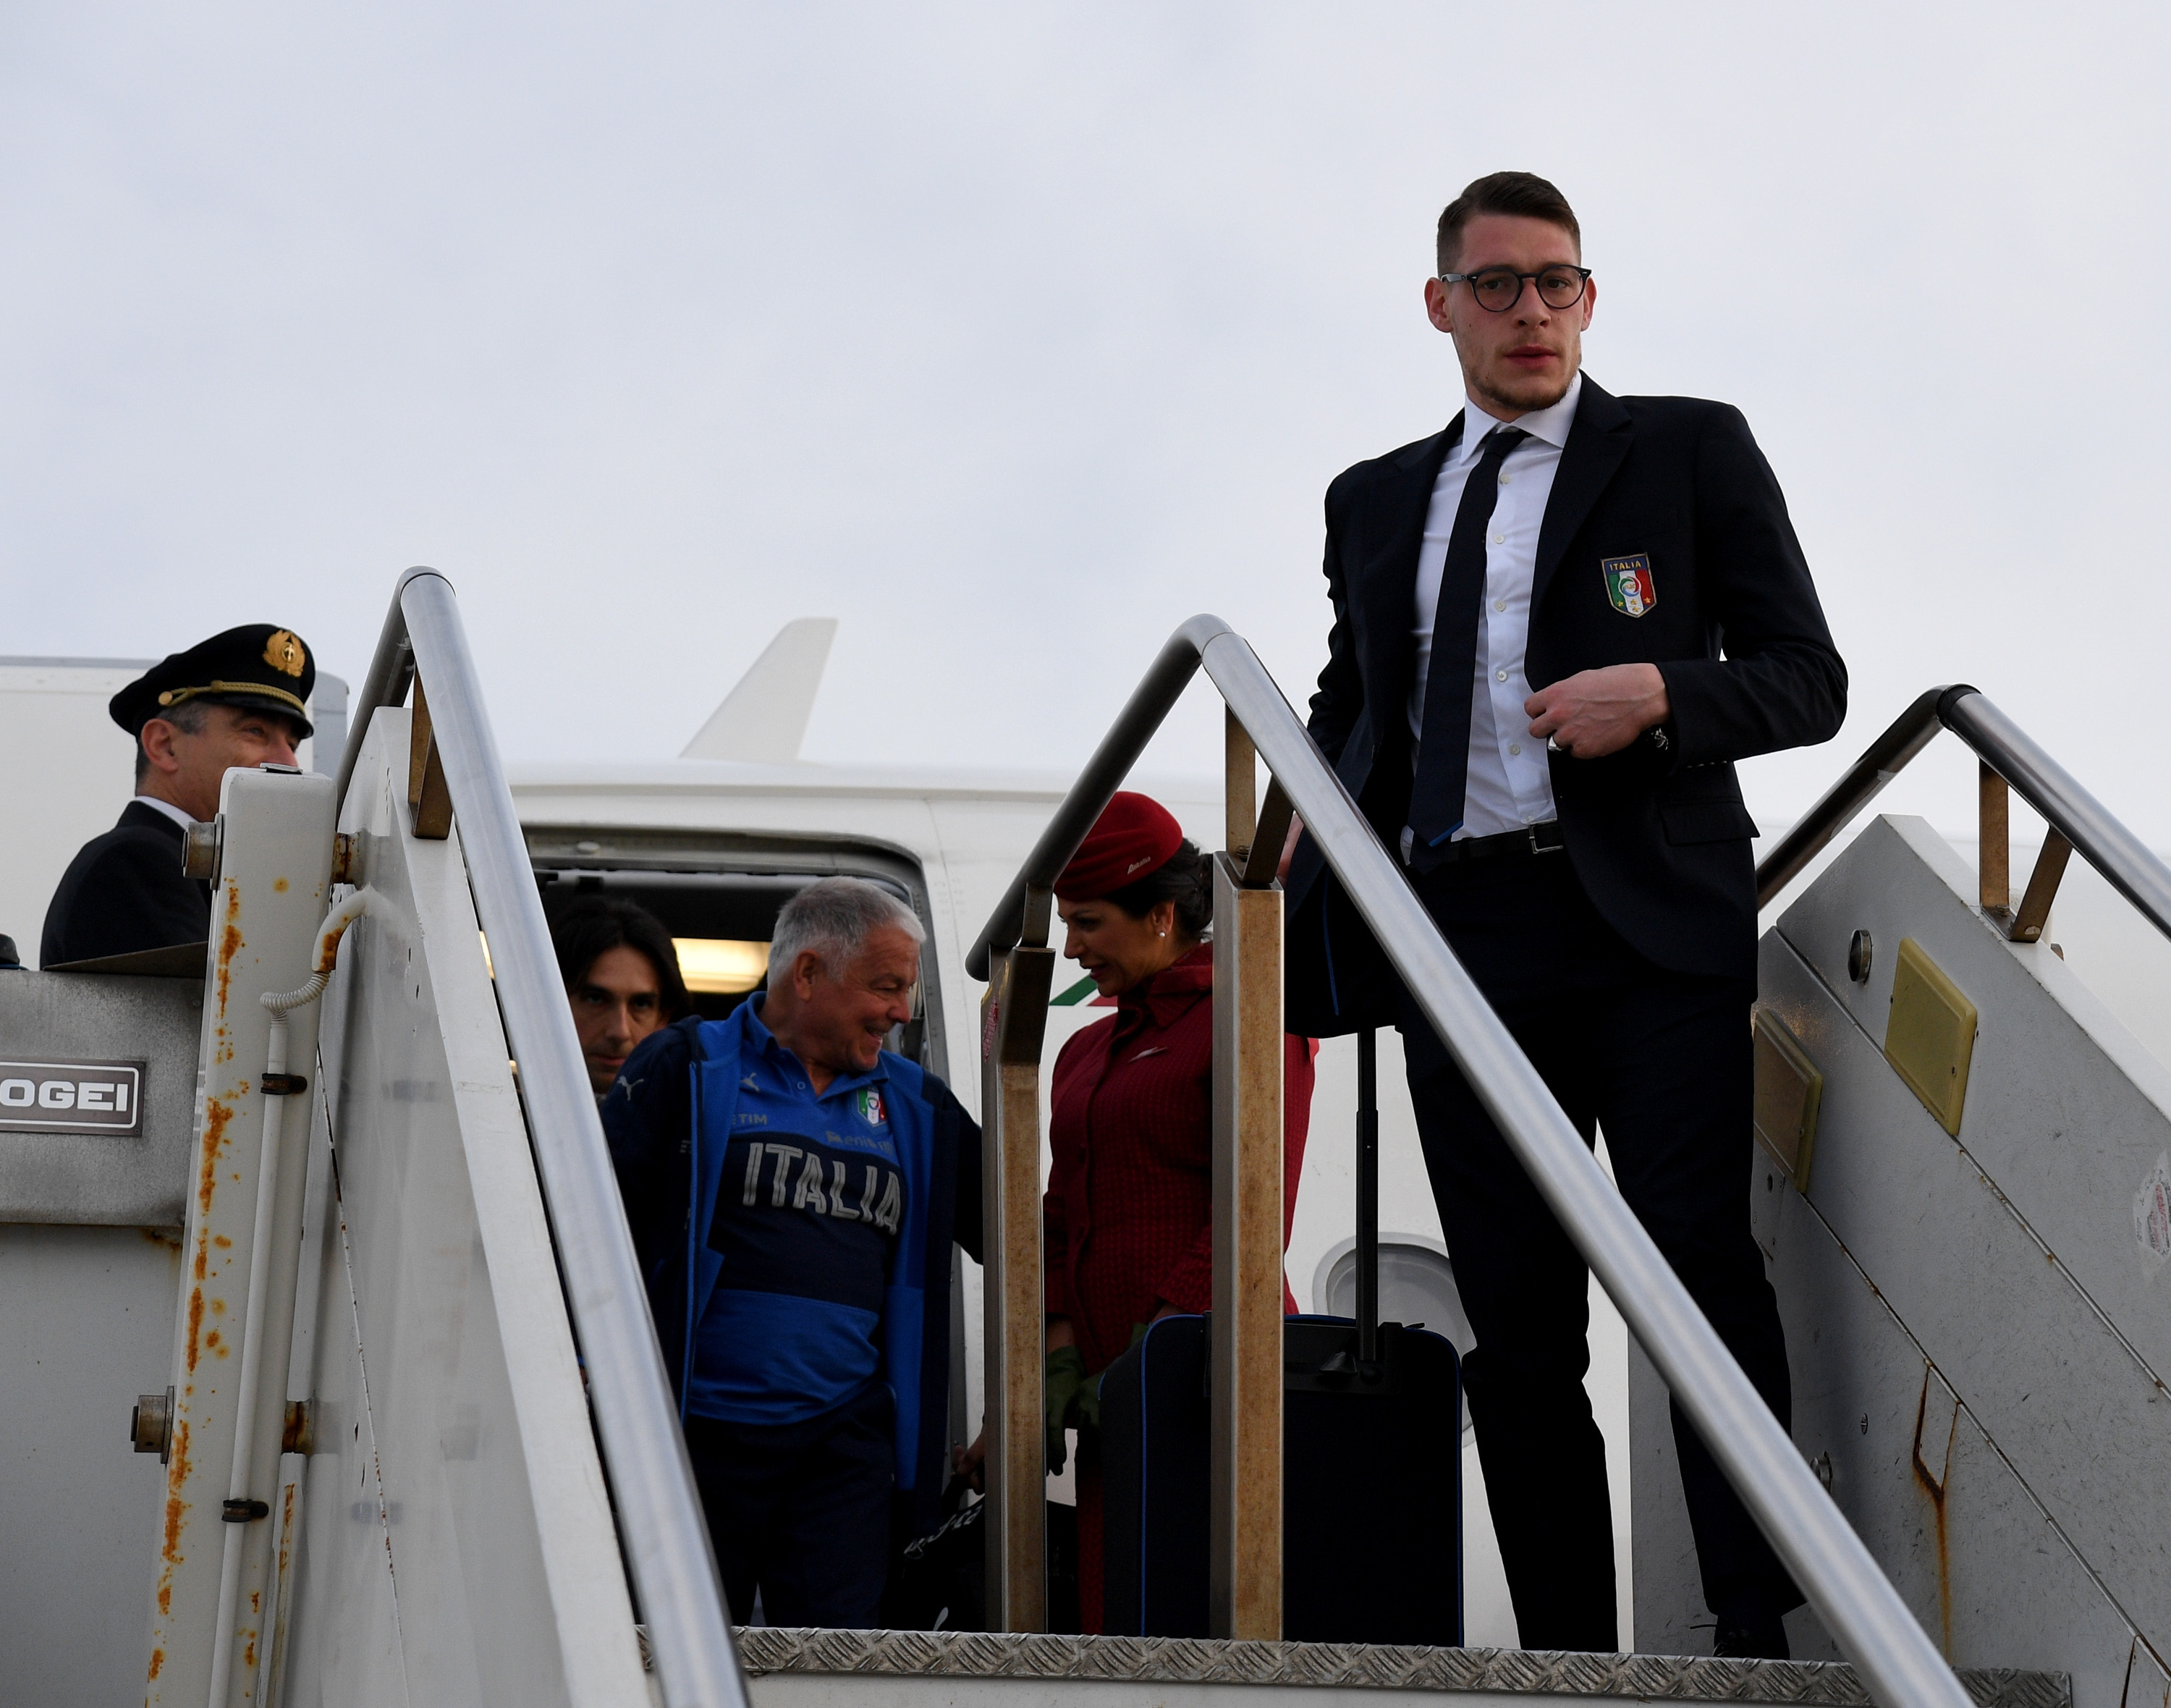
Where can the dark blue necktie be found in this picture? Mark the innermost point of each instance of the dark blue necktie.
(1443, 773)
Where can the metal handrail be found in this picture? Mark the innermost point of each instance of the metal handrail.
(658, 1509)
(1860, 1608)
(1150, 702)
(2127, 862)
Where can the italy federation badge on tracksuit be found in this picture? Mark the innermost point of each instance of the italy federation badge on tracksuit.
(1628, 584)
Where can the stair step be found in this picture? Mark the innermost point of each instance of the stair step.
(808, 1669)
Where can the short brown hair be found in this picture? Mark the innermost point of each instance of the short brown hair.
(1523, 193)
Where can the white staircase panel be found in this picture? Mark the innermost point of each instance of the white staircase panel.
(342, 1617)
(1964, 1330)
(1943, 1227)
(2066, 1110)
(505, 1566)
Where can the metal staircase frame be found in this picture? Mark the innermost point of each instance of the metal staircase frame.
(456, 773)
(2008, 756)
(1858, 1603)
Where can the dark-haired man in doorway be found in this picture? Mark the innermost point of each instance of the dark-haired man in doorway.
(1556, 624)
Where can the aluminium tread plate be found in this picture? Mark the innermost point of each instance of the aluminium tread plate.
(960, 1655)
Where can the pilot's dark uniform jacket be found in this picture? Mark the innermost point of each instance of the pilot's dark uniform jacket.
(796, 1250)
(125, 891)
(1616, 938)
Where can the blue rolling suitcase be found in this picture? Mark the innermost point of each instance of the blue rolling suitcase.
(1372, 1466)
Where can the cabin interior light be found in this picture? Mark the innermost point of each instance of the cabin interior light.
(715, 965)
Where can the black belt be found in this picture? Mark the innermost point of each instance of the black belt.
(1531, 838)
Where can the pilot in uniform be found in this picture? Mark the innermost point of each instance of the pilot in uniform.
(239, 699)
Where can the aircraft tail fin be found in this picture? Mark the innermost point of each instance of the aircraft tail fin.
(763, 718)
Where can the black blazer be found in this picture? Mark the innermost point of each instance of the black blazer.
(1658, 833)
(125, 891)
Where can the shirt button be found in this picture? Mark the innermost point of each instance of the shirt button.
(1499, 604)
(1500, 675)
(1503, 479)
(1514, 747)
(1499, 539)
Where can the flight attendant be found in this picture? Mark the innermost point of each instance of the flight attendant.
(1130, 1209)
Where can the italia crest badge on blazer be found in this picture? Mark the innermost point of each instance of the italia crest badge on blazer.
(1628, 584)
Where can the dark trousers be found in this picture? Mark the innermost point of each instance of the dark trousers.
(1662, 1062)
(801, 1511)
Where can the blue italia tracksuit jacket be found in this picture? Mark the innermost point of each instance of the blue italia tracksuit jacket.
(670, 1119)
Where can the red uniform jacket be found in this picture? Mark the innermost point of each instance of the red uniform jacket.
(1129, 1209)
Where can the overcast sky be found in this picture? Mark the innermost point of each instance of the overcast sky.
(1011, 335)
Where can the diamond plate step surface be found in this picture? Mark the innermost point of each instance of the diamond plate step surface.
(962, 1655)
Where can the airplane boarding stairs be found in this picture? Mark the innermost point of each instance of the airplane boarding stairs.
(462, 1499)
(1977, 1321)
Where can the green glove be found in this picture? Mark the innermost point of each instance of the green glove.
(1065, 1380)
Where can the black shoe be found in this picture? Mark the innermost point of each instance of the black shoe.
(1751, 1639)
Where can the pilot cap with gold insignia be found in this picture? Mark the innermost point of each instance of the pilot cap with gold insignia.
(256, 665)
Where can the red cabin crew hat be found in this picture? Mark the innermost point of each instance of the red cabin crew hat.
(1135, 837)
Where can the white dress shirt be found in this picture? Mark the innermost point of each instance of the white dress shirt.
(1508, 785)
(183, 820)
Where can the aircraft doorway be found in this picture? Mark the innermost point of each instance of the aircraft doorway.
(719, 894)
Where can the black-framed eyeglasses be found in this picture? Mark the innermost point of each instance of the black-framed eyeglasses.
(1500, 288)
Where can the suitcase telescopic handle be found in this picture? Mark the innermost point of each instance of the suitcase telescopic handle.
(1368, 1196)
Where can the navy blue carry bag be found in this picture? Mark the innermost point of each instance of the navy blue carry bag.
(1372, 1465)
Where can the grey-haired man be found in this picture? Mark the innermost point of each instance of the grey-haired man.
(794, 1187)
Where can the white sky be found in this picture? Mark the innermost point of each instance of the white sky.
(1012, 335)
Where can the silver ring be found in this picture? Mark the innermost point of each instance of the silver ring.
(1552, 746)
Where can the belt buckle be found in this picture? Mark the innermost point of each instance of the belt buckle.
(1531, 831)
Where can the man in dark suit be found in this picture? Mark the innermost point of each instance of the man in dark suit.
(239, 699)
(1556, 624)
